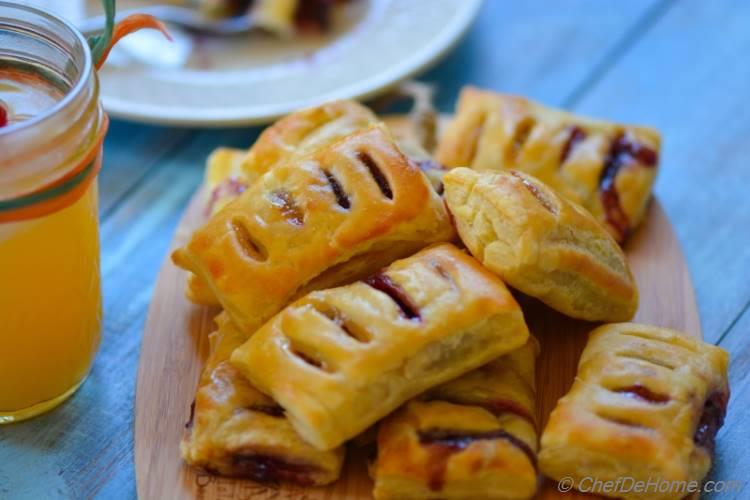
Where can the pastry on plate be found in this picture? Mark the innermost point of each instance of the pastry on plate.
(235, 430)
(318, 221)
(338, 360)
(229, 171)
(606, 167)
(472, 437)
(541, 244)
(280, 17)
(646, 404)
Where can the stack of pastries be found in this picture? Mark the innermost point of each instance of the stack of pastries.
(364, 287)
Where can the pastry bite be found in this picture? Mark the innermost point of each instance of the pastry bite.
(282, 18)
(230, 171)
(304, 132)
(472, 437)
(608, 168)
(329, 218)
(338, 360)
(237, 431)
(224, 181)
(646, 404)
(541, 244)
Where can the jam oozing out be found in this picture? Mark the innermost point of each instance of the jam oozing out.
(385, 284)
(712, 418)
(265, 468)
(341, 197)
(643, 393)
(229, 189)
(380, 179)
(575, 135)
(271, 410)
(623, 151)
(447, 442)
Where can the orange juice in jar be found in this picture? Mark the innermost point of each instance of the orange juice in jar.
(51, 131)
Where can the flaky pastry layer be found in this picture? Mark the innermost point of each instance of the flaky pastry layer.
(338, 360)
(541, 243)
(646, 404)
(472, 437)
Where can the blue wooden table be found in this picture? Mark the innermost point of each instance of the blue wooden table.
(682, 66)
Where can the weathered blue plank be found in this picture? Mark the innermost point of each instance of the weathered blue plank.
(130, 152)
(731, 454)
(690, 77)
(541, 49)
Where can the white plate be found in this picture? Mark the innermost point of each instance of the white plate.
(256, 78)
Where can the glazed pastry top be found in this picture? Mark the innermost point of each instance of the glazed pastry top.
(646, 401)
(541, 243)
(358, 196)
(339, 359)
(606, 167)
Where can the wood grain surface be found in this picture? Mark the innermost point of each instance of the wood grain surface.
(680, 65)
(175, 344)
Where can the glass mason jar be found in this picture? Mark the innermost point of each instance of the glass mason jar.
(50, 154)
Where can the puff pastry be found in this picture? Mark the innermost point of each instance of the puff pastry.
(338, 360)
(646, 403)
(229, 171)
(330, 218)
(472, 437)
(235, 430)
(541, 243)
(608, 168)
(280, 17)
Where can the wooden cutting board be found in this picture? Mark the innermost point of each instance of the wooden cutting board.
(175, 344)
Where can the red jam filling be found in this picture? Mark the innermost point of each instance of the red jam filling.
(231, 188)
(341, 197)
(447, 442)
(576, 135)
(640, 392)
(385, 284)
(271, 410)
(712, 418)
(623, 151)
(264, 468)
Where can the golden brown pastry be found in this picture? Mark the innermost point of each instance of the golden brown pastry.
(225, 178)
(229, 172)
(646, 404)
(235, 430)
(472, 437)
(280, 17)
(304, 132)
(330, 218)
(541, 243)
(608, 168)
(338, 360)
